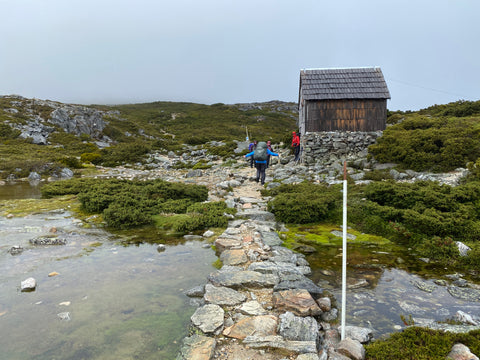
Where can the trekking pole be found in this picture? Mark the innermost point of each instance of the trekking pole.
(246, 130)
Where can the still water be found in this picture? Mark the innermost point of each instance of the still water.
(117, 302)
(386, 284)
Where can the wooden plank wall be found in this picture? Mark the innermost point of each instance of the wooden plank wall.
(346, 115)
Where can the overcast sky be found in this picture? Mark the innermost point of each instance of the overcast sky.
(231, 51)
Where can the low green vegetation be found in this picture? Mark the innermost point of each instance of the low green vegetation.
(305, 203)
(416, 343)
(196, 217)
(440, 138)
(173, 124)
(424, 215)
(135, 130)
(124, 204)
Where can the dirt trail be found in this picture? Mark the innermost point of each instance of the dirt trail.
(249, 188)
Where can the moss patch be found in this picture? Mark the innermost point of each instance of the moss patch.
(321, 234)
(25, 207)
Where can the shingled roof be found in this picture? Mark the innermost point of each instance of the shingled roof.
(352, 83)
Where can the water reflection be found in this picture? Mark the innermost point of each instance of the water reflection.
(383, 286)
(20, 190)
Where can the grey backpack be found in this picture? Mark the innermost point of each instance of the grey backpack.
(260, 153)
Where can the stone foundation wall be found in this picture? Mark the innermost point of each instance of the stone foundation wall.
(347, 145)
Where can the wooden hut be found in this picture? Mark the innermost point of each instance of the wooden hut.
(350, 99)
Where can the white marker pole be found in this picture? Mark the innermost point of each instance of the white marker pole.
(344, 250)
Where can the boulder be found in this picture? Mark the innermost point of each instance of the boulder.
(197, 291)
(312, 356)
(299, 328)
(227, 243)
(465, 318)
(363, 335)
(292, 281)
(462, 248)
(233, 257)
(239, 279)
(461, 352)
(255, 214)
(263, 325)
(34, 176)
(268, 267)
(278, 342)
(325, 304)
(252, 308)
(209, 318)
(352, 349)
(223, 296)
(298, 301)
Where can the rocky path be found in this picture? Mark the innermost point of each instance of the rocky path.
(261, 304)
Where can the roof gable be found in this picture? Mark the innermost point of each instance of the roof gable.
(352, 83)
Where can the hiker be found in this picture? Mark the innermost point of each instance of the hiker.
(269, 147)
(296, 145)
(252, 147)
(260, 155)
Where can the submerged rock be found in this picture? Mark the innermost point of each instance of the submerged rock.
(464, 293)
(197, 347)
(65, 316)
(46, 240)
(15, 250)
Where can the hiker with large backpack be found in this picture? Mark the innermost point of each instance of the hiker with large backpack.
(260, 155)
(252, 147)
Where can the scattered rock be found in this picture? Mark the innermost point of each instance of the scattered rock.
(208, 233)
(363, 335)
(65, 316)
(197, 291)
(28, 285)
(461, 352)
(48, 240)
(53, 273)
(15, 250)
(462, 248)
(353, 349)
(466, 318)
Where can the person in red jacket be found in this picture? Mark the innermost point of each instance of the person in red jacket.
(296, 145)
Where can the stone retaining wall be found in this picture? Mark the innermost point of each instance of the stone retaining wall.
(320, 146)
